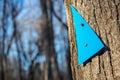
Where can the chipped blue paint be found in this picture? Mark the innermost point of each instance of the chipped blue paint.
(87, 41)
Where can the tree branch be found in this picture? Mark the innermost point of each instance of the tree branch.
(53, 11)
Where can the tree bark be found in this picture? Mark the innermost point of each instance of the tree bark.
(104, 18)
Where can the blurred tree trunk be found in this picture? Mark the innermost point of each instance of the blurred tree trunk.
(3, 57)
(16, 36)
(3, 67)
(31, 72)
(47, 42)
(104, 18)
(69, 73)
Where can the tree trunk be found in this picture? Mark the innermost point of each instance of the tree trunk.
(104, 18)
(47, 42)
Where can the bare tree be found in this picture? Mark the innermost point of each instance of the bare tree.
(20, 58)
(47, 38)
(3, 58)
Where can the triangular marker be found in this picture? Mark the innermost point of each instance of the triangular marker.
(87, 41)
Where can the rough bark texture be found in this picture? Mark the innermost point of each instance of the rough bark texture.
(104, 18)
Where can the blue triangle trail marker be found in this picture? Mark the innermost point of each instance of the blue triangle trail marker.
(87, 42)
